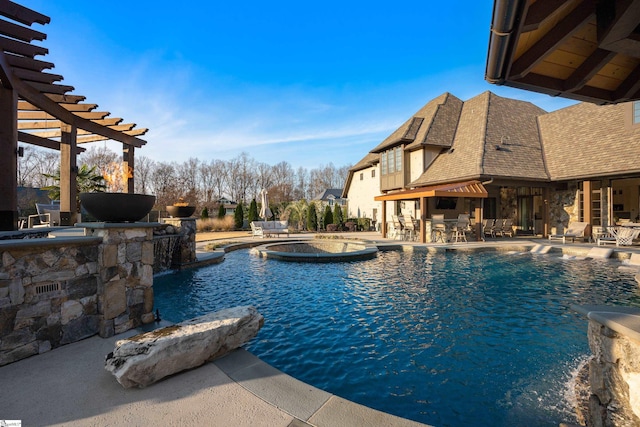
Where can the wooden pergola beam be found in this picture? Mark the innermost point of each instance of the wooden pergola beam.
(29, 138)
(22, 14)
(19, 32)
(28, 63)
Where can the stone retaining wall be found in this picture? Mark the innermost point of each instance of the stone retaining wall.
(55, 291)
(614, 377)
(48, 295)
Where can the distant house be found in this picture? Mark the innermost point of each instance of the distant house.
(229, 205)
(28, 197)
(330, 197)
(495, 157)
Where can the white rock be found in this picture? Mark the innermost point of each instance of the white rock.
(146, 358)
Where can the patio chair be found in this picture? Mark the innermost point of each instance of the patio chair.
(399, 230)
(459, 231)
(506, 228)
(574, 230)
(410, 229)
(624, 236)
(489, 227)
(438, 228)
(48, 215)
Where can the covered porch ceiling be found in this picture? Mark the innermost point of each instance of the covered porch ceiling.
(36, 109)
(473, 189)
(587, 50)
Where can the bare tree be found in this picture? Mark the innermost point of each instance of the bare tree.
(164, 184)
(188, 177)
(301, 189)
(101, 157)
(143, 173)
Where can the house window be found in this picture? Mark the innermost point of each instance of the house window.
(383, 161)
(373, 173)
(390, 161)
(636, 112)
(398, 159)
(361, 176)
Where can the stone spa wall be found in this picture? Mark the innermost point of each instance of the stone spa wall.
(54, 291)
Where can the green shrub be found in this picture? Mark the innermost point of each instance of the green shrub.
(253, 211)
(238, 217)
(328, 217)
(222, 212)
(205, 213)
(312, 218)
(337, 215)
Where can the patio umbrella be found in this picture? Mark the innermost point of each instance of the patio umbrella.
(265, 212)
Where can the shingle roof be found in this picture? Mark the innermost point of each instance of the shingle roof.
(486, 122)
(335, 192)
(416, 130)
(586, 140)
(368, 160)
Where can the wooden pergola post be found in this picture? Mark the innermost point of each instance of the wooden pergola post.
(68, 174)
(383, 227)
(423, 219)
(128, 160)
(8, 159)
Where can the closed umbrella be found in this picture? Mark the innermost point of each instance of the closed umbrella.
(265, 212)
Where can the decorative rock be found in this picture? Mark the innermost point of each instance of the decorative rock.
(146, 358)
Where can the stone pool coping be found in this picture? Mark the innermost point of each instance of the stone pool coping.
(367, 250)
(622, 319)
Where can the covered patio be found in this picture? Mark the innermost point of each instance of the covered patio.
(467, 189)
(35, 110)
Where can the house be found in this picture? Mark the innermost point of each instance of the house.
(229, 205)
(495, 157)
(362, 185)
(329, 197)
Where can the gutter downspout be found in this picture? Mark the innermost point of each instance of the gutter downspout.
(479, 230)
(502, 27)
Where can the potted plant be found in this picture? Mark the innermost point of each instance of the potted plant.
(181, 209)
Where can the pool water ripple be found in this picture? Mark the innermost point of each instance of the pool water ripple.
(445, 339)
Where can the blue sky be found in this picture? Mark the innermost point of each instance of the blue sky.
(308, 83)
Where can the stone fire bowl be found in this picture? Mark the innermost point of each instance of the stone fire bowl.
(117, 207)
(181, 211)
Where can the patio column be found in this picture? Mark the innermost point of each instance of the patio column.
(68, 174)
(128, 160)
(479, 215)
(586, 206)
(545, 211)
(423, 217)
(8, 159)
(383, 227)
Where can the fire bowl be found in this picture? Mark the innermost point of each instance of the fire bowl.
(117, 207)
(181, 211)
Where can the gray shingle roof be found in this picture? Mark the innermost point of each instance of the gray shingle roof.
(587, 140)
(488, 121)
(416, 128)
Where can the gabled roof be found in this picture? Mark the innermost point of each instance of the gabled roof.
(330, 193)
(587, 140)
(369, 160)
(495, 137)
(431, 125)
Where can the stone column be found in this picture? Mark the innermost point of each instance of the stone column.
(125, 275)
(186, 251)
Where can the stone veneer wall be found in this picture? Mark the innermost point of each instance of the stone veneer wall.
(55, 291)
(185, 253)
(48, 295)
(125, 279)
(614, 377)
(564, 207)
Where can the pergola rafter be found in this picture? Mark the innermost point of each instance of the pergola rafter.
(35, 108)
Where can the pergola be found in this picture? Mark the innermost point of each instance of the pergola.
(35, 110)
(585, 50)
(471, 189)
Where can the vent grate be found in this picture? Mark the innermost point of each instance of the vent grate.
(50, 287)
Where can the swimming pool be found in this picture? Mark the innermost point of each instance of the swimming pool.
(448, 339)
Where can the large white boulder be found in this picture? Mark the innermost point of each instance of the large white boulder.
(146, 358)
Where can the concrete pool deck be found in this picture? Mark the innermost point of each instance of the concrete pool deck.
(69, 385)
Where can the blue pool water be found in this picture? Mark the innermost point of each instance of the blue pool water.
(448, 339)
